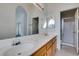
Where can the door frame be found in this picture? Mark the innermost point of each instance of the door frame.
(32, 23)
(76, 30)
(61, 24)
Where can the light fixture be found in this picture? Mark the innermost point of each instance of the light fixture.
(45, 25)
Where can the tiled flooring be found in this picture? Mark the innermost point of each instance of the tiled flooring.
(66, 51)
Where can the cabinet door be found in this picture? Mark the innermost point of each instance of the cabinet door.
(50, 51)
(43, 54)
(54, 48)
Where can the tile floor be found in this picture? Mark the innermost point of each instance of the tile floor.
(66, 51)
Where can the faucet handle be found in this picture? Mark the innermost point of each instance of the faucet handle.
(16, 42)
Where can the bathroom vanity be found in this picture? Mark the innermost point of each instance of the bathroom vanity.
(32, 45)
(49, 49)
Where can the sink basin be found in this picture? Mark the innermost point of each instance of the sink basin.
(19, 49)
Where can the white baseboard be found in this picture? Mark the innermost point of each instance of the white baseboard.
(68, 44)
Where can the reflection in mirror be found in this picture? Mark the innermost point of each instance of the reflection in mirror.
(35, 25)
(51, 23)
(20, 21)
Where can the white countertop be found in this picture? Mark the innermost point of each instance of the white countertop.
(29, 44)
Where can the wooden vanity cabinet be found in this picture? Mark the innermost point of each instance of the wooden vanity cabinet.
(49, 49)
(40, 52)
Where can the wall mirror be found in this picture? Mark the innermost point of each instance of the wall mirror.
(51, 23)
(21, 22)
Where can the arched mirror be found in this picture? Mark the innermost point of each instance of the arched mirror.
(21, 21)
(51, 23)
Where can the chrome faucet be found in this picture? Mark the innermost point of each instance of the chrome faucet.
(16, 42)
